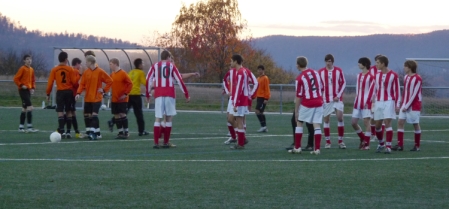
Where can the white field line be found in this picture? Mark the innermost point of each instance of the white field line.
(298, 160)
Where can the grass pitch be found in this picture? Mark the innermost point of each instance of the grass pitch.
(202, 172)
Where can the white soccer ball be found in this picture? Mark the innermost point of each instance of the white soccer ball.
(55, 137)
(103, 107)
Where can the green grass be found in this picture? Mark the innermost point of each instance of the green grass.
(202, 172)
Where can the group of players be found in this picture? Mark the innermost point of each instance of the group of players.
(319, 94)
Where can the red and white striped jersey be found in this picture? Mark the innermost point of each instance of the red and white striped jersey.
(387, 87)
(308, 87)
(240, 91)
(163, 74)
(252, 79)
(412, 96)
(373, 71)
(364, 91)
(227, 80)
(334, 83)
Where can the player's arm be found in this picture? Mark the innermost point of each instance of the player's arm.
(128, 84)
(226, 83)
(108, 80)
(51, 78)
(188, 75)
(177, 76)
(238, 90)
(298, 97)
(370, 92)
(267, 88)
(397, 91)
(149, 82)
(413, 95)
(342, 83)
(252, 93)
(142, 79)
(18, 77)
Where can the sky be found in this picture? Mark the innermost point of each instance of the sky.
(137, 20)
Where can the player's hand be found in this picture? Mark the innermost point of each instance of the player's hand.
(404, 110)
(235, 109)
(336, 99)
(397, 109)
(187, 99)
(48, 98)
(148, 99)
(24, 87)
(100, 90)
(122, 97)
(197, 74)
(265, 101)
(77, 97)
(31, 91)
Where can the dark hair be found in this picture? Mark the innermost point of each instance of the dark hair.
(384, 60)
(165, 55)
(76, 61)
(365, 61)
(377, 56)
(261, 67)
(329, 57)
(301, 62)
(63, 56)
(26, 56)
(137, 62)
(411, 64)
(89, 53)
(238, 58)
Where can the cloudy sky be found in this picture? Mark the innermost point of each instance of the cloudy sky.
(134, 20)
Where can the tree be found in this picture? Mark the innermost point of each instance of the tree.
(206, 34)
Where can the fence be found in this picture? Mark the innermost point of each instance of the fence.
(209, 96)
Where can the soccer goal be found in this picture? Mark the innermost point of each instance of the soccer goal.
(435, 91)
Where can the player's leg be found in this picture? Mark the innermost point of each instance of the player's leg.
(400, 134)
(124, 119)
(316, 119)
(298, 137)
(170, 112)
(158, 116)
(341, 126)
(87, 112)
(417, 137)
(327, 131)
(260, 116)
(23, 112)
(29, 110)
(389, 115)
(357, 128)
(239, 117)
(68, 102)
(293, 122)
(95, 122)
(311, 136)
(231, 125)
(367, 124)
(136, 104)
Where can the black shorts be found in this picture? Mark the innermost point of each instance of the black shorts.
(64, 100)
(74, 104)
(260, 105)
(91, 107)
(25, 96)
(119, 107)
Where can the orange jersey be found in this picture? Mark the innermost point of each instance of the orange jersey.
(121, 84)
(25, 76)
(264, 87)
(77, 75)
(64, 77)
(91, 81)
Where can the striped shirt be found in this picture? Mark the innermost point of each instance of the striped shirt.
(164, 74)
(412, 92)
(387, 87)
(308, 87)
(364, 91)
(334, 83)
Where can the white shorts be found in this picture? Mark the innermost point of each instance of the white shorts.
(310, 115)
(241, 111)
(164, 106)
(230, 109)
(361, 114)
(412, 117)
(329, 108)
(384, 110)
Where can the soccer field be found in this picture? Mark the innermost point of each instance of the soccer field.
(202, 172)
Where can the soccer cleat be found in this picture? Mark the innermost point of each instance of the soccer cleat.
(308, 148)
(230, 141)
(415, 149)
(327, 146)
(263, 129)
(366, 147)
(397, 148)
(169, 145)
(99, 136)
(290, 147)
(342, 145)
(63, 135)
(156, 146)
(387, 150)
(380, 148)
(237, 147)
(246, 141)
(316, 152)
(68, 136)
(121, 136)
(31, 130)
(144, 133)
(92, 136)
(373, 138)
(21, 130)
(295, 151)
(229, 134)
(83, 136)
(110, 125)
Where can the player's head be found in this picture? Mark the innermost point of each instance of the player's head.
(114, 64)
(63, 56)
(410, 65)
(236, 59)
(301, 62)
(261, 69)
(382, 61)
(165, 55)
(89, 53)
(76, 61)
(376, 57)
(90, 60)
(27, 59)
(138, 63)
(329, 59)
(364, 62)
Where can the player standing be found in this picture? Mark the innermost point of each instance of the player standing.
(387, 98)
(411, 106)
(334, 85)
(262, 96)
(26, 81)
(121, 87)
(362, 103)
(76, 65)
(308, 104)
(163, 74)
(92, 81)
(373, 71)
(65, 79)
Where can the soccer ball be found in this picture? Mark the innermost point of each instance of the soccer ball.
(55, 137)
(103, 107)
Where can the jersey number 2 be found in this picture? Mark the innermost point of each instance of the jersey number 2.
(63, 77)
